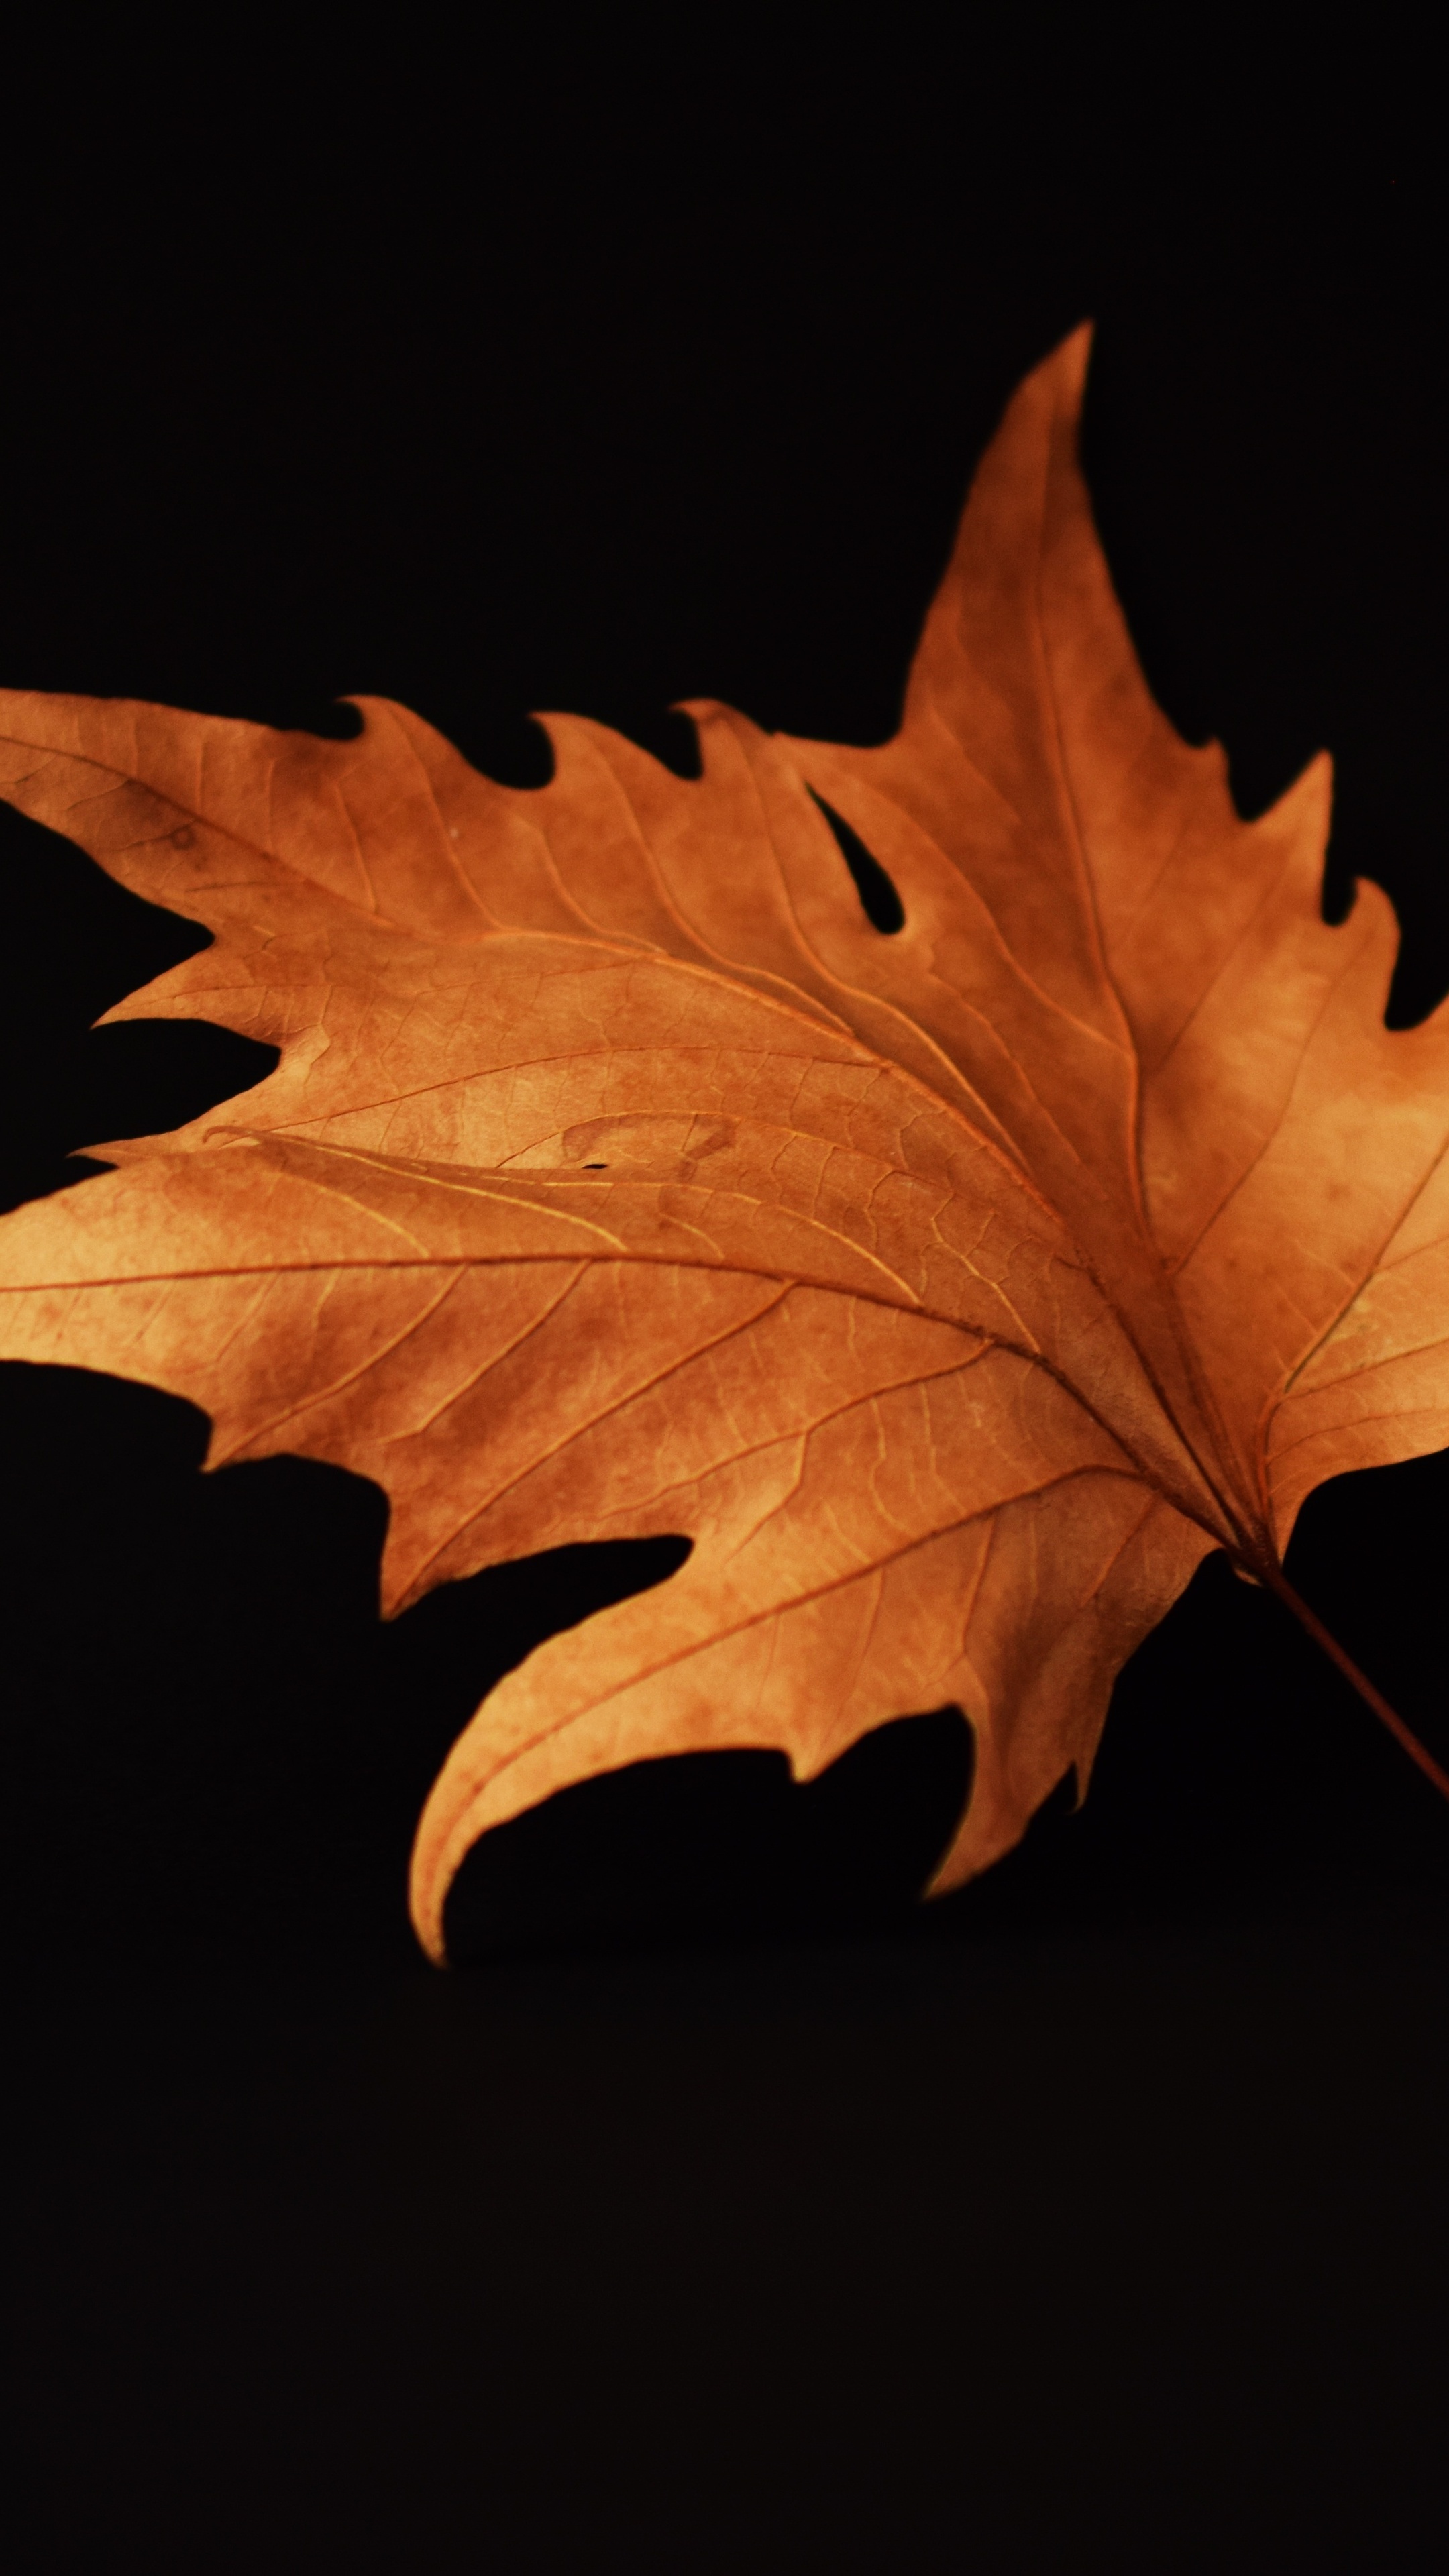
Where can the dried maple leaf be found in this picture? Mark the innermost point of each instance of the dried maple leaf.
(954, 1291)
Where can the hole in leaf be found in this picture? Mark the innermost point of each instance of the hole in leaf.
(718, 1845)
(882, 905)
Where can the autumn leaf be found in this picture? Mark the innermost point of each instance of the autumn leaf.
(954, 1288)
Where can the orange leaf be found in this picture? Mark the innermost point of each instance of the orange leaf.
(954, 1290)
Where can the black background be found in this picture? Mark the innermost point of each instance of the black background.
(726, 2213)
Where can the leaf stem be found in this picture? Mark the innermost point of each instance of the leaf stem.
(1276, 1581)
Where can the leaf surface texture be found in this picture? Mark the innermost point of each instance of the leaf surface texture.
(953, 1291)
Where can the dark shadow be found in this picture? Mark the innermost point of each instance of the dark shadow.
(514, 750)
(719, 1846)
(86, 943)
(880, 902)
(297, 711)
(1238, 1773)
(451, 1648)
(505, 742)
(212, 1748)
(670, 735)
(211, 1745)
(137, 1078)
